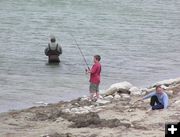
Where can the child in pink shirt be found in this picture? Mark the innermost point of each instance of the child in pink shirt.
(95, 72)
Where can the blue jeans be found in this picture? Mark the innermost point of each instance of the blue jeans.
(155, 104)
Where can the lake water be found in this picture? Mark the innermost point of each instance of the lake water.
(138, 40)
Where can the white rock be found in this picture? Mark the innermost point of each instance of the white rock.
(177, 80)
(110, 97)
(118, 86)
(177, 102)
(122, 85)
(74, 110)
(82, 112)
(166, 82)
(125, 96)
(84, 98)
(111, 91)
(101, 97)
(117, 97)
(147, 90)
(66, 110)
(135, 91)
(170, 92)
(101, 101)
(87, 108)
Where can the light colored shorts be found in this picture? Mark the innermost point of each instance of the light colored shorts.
(93, 88)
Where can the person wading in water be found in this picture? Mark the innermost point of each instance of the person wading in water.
(53, 51)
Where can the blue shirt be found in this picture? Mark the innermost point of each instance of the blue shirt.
(163, 98)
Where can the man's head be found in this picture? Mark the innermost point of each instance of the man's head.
(52, 38)
(159, 89)
(97, 58)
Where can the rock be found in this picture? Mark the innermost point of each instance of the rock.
(168, 82)
(122, 85)
(120, 91)
(147, 90)
(74, 110)
(110, 97)
(66, 110)
(164, 87)
(135, 91)
(100, 101)
(82, 112)
(84, 98)
(117, 97)
(143, 93)
(170, 92)
(111, 91)
(118, 87)
(101, 97)
(177, 102)
(88, 107)
(125, 96)
(177, 80)
(59, 135)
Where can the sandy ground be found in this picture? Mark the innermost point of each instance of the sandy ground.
(116, 119)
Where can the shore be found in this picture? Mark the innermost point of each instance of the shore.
(116, 114)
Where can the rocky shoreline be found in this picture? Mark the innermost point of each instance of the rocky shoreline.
(115, 114)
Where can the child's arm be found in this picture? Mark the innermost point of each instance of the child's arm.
(149, 95)
(165, 101)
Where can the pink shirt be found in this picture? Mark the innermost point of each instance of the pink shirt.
(95, 73)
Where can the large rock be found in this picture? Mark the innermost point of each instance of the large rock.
(168, 82)
(111, 91)
(135, 91)
(122, 87)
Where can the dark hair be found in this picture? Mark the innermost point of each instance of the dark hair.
(53, 40)
(158, 86)
(97, 57)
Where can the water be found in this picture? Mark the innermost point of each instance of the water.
(138, 41)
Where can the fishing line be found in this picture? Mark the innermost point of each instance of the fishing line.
(80, 51)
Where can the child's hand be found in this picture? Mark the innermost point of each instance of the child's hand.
(86, 71)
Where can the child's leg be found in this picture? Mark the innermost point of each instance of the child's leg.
(154, 100)
(92, 90)
(158, 106)
(97, 91)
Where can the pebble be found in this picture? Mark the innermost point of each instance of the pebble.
(117, 97)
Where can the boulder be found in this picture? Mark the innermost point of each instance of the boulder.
(135, 91)
(168, 82)
(111, 91)
(122, 87)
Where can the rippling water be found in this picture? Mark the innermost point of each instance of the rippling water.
(139, 42)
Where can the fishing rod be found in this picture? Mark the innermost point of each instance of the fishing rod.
(80, 51)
